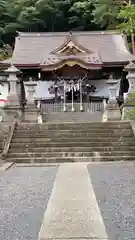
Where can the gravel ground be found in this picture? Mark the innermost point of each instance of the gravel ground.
(114, 186)
(24, 194)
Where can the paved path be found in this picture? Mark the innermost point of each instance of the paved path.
(114, 187)
(72, 211)
(24, 194)
(72, 201)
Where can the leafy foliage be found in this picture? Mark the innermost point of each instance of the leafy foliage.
(105, 13)
(127, 17)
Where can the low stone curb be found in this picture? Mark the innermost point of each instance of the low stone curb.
(6, 166)
(37, 164)
(58, 164)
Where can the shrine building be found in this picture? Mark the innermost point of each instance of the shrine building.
(68, 67)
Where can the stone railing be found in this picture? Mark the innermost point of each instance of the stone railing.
(4, 130)
(8, 137)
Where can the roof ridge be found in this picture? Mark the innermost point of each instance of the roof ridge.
(83, 33)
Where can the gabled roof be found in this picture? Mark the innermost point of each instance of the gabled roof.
(71, 43)
(38, 48)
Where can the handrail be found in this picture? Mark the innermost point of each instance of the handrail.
(9, 138)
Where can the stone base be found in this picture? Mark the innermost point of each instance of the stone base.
(128, 112)
(10, 113)
(13, 100)
(31, 113)
(113, 112)
(104, 116)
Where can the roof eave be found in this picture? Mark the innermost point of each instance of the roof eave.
(38, 66)
(115, 64)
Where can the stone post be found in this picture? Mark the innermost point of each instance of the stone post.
(64, 105)
(104, 112)
(113, 110)
(129, 103)
(81, 100)
(31, 111)
(73, 109)
(12, 109)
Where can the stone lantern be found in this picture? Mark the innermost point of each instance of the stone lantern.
(13, 97)
(129, 103)
(130, 68)
(31, 112)
(12, 110)
(113, 110)
(30, 88)
(112, 89)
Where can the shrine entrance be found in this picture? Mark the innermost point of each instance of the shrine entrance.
(71, 97)
(72, 90)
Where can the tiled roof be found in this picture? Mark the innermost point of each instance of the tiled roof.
(35, 48)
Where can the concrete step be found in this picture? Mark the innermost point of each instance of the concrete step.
(71, 154)
(103, 148)
(74, 140)
(72, 137)
(72, 116)
(98, 125)
(67, 133)
(70, 159)
(71, 144)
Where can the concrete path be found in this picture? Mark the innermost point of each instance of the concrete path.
(72, 211)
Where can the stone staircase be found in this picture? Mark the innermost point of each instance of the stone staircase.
(71, 142)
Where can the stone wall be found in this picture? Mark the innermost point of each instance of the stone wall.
(4, 134)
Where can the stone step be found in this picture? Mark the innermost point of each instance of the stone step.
(76, 133)
(76, 129)
(71, 154)
(74, 140)
(72, 116)
(70, 159)
(71, 125)
(102, 142)
(103, 148)
(94, 124)
(52, 143)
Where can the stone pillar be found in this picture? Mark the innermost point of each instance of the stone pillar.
(73, 109)
(64, 106)
(104, 112)
(12, 109)
(129, 103)
(31, 111)
(81, 100)
(113, 110)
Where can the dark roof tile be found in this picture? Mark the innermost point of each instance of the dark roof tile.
(35, 48)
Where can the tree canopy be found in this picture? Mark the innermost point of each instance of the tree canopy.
(63, 15)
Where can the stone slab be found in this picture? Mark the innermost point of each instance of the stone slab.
(72, 211)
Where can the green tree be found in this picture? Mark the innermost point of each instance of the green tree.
(105, 13)
(127, 24)
(81, 15)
